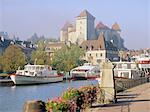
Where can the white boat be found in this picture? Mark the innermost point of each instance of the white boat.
(87, 71)
(144, 63)
(36, 74)
(126, 70)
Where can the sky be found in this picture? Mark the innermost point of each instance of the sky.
(23, 18)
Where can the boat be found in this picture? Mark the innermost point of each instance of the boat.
(143, 61)
(128, 70)
(5, 79)
(87, 71)
(36, 74)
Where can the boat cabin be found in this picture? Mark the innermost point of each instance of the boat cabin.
(34, 70)
(126, 70)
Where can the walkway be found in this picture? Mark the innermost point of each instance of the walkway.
(136, 99)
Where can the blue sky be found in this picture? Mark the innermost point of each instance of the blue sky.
(45, 17)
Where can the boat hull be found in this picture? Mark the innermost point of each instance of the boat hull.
(83, 77)
(28, 80)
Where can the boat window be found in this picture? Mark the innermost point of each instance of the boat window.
(128, 66)
(31, 73)
(133, 66)
(119, 66)
(125, 74)
(124, 66)
(37, 68)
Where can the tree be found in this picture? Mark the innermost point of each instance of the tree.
(13, 58)
(39, 55)
(67, 58)
(34, 38)
(1, 58)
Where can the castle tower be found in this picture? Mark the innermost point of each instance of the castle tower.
(85, 26)
(64, 32)
(119, 42)
(116, 27)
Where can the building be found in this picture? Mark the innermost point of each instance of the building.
(27, 47)
(99, 50)
(111, 34)
(84, 29)
(51, 47)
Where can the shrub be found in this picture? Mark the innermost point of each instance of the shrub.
(74, 99)
(90, 95)
(57, 105)
(71, 94)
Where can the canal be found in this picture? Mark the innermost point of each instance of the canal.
(12, 98)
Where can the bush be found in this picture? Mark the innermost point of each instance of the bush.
(71, 94)
(57, 105)
(90, 95)
(73, 99)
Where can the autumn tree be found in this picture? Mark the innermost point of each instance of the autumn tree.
(12, 58)
(67, 58)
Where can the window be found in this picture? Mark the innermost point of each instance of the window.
(101, 54)
(90, 54)
(92, 47)
(86, 47)
(100, 47)
(96, 55)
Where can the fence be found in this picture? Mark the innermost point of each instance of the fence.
(123, 84)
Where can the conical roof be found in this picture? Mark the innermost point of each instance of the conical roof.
(85, 13)
(116, 27)
(100, 25)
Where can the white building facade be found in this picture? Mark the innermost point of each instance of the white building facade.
(81, 31)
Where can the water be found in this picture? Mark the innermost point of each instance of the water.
(13, 98)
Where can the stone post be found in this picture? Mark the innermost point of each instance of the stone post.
(107, 83)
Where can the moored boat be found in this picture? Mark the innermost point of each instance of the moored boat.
(87, 71)
(127, 70)
(36, 74)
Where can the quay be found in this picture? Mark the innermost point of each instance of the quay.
(136, 99)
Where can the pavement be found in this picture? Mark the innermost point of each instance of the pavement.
(136, 99)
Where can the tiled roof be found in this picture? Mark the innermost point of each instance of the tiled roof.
(116, 27)
(99, 44)
(65, 27)
(100, 25)
(85, 13)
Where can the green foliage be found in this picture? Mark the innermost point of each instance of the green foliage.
(67, 58)
(39, 55)
(71, 94)
(73, 99)
(57, 105)
(13, 58)
(1, 58)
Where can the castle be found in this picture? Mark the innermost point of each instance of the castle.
(84, 29)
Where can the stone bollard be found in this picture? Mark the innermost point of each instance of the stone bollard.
(107, 82)
(34, 106)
